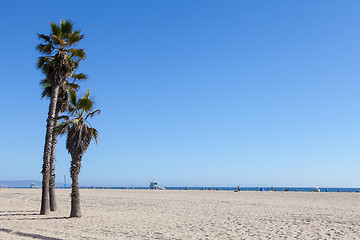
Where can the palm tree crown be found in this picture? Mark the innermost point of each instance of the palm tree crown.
(60, 57)
(76, 125)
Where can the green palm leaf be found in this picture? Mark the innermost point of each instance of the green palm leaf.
(46, 90)
(74, 38)
(79, 76)
(56, 30)
(62, 128)
(87, 94)
(85, 104)
(66, 26)
(72, 97)
(44, 37)
(40, 62)
(45, 48)
(80, 53)
(74, 86)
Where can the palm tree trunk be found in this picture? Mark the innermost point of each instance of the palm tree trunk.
(45, 208)
(53, 203)
(75, 194)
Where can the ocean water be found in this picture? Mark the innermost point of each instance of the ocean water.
(276, 189)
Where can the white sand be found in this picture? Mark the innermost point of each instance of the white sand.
(152, 214)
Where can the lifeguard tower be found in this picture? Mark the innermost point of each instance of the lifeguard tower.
(154, 185)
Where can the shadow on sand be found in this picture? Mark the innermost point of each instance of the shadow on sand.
(22, 234)
(26, 213)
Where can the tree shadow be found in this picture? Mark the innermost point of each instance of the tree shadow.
(18, 211)
(31, 235)
(43, 218)
(26, 214)
(17, 214)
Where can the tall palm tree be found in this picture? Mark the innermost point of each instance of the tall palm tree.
(61, 107)
(59, 59)
(79, 135)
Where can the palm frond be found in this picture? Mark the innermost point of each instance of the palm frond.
(85, 104)
(80, 53)
(44, 37)
(62, 128)
(71, 110)
(95, 134)
(74, 38)
(63, 117)
(45, 48)
(78, 32)
(72, 97)
(76, 63)
(46, 90)
(44, 81)
(57, 40)
(56, 30)
(87, 94)
(66, 26)
(73, 86)
(92, 114)
(40, 62)
(45, 69)
(79, 76)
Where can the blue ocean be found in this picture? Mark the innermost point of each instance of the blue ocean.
(278, 189)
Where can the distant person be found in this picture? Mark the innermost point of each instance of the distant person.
(238, 188)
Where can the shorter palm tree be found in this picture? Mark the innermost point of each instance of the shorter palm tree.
(79, 135)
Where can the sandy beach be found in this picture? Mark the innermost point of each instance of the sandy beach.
(173, 214)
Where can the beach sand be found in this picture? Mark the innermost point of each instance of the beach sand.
(173, 214)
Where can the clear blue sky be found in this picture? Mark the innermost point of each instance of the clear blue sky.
(195, 93)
